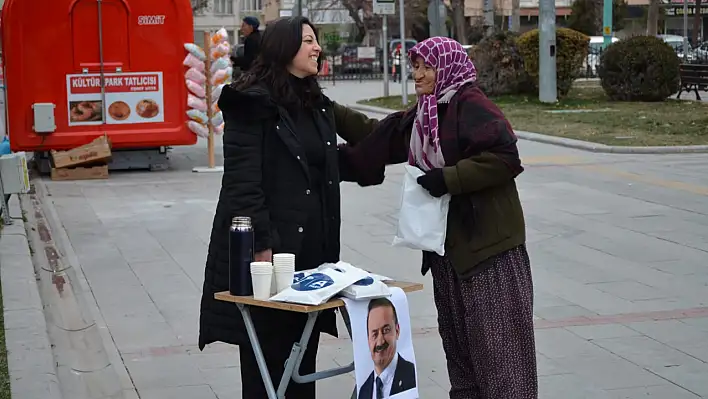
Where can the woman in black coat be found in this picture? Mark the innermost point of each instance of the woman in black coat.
(281, 170)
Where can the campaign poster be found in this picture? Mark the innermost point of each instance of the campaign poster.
(384, 359)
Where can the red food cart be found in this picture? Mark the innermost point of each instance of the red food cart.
(78, 69)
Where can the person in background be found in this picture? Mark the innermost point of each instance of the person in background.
(251, 46)
(397, 64)
(281, 169)
(482, 286)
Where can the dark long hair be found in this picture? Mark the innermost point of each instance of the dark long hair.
(280, 43)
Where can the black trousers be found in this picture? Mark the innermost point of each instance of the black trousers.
(276, 350)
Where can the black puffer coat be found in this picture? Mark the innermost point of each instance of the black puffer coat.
(266, 177)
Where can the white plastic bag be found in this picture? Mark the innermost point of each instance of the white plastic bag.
(422, 221)
(368, 287)
(318, 287)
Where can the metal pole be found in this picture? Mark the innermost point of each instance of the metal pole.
(607, 23)
(685, 29)
(384, 45)
(404, 54)
(100, 62)
(299, 8)
(488, 10)
(547, 91)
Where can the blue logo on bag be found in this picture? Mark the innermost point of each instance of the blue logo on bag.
(298, 276)
(315, 281)
(365, 281)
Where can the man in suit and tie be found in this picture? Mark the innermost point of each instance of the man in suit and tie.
(392, 373)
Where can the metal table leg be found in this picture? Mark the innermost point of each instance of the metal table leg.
(348, 323)
(292, 365)
(262, 367)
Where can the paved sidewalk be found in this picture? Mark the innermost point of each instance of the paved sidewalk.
(618, 244)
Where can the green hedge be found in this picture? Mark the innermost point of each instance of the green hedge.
(571, 54)
(640, 68)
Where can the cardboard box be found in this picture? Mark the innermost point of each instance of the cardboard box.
(97, 150)
(80, 173)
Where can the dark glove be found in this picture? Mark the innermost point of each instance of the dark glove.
(434, 181)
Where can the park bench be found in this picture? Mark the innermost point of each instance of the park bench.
(693, 77)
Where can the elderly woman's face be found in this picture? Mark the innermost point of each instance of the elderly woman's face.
(424, 76)
(305, 62)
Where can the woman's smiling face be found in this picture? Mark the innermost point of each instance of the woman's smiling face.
(424, 76)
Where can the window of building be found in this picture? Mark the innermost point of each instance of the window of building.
(223, 7)
(253, 6)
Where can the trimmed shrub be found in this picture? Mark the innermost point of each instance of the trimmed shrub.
(500, 67)
(641, 68)
(571, 53)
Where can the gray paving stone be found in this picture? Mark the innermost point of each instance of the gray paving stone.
(631, 290)
(655, 392)
(562, 312)
(184, 392)
(647, 352)
(163, 372)
(559, 343)
(564, 386)
(608, 371)
(603, 331)
(670, 331)
(689, 377)
(229, 392)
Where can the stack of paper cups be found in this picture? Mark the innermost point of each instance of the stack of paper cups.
(284, 269)
(261, 275)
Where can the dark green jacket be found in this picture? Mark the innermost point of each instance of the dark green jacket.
(479, 147)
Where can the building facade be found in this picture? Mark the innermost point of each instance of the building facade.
(227, 14)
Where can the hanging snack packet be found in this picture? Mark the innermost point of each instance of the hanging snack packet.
(220, 50)
(219, 64)
(198, 129)
(219, 129)
(196, 103)
(195, 76)
(216, 92)
(220, 36)
(195, 51)
(191, 61)
(197, 116)
(217, 119)
(196, 89)
(221, 76)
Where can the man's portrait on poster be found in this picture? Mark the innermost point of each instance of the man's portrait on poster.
(392, 373)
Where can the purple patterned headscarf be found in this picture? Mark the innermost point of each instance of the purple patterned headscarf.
(453, 68)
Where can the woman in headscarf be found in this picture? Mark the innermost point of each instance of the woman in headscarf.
(482, 286)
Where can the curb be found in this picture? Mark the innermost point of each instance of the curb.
(572, 143)
(111, 375)
(29, 351)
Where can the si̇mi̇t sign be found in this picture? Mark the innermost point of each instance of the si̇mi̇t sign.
(385, 7)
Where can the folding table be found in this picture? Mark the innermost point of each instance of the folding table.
(292, 365)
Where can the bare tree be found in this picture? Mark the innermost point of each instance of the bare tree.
(362, 13)
(458, 20)
(653, 17)
(199, 5)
